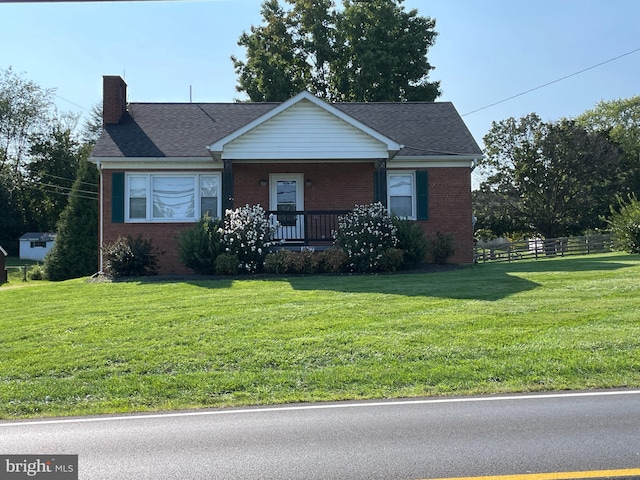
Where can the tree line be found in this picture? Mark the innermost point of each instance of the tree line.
(46, 181)
(559, 178)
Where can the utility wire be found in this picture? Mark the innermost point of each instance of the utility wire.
(553, 81)
(65, 189)
(70, 180)
(66, 194)
(72, 103)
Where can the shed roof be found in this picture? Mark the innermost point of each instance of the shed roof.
(38, 236)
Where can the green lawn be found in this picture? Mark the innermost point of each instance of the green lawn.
(84, 348)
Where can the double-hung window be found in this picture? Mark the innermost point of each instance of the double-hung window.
(402, 194)
(137, 195)
(171, 197)
(408, 194)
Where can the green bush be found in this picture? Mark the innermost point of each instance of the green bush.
(365, 234)
(624, 225)
(412, 241)
(332, 260)
(36, 272)
(277, 262)
(130, 257)
(199, 246)
(305, 261)
(392, 260)
(227, 264)
(442, 247)
(285, 261)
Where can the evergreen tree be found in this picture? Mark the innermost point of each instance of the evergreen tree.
(75, 252)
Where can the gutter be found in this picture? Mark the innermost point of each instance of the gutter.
(101, 220)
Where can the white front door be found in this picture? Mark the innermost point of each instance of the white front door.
(286, 194)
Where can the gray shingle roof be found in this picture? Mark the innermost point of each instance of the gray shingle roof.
(185, 129)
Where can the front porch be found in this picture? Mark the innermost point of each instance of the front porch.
(305, 227)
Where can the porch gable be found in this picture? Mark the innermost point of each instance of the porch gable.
(305, 128)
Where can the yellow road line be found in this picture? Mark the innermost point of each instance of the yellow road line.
(556, 476)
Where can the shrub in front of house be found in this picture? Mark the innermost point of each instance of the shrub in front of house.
(286, 261)
(624, 225)
(365, 234)
(130, 257)
(392, 260)
(442, 247)
(199, 246)
(248, 233)
(277, 262)
(227, 264)
(305, 261)
(412, 241)
(332, 260)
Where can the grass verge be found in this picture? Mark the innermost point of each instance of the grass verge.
(74, 347)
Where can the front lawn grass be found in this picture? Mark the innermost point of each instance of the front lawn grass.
(75, 347)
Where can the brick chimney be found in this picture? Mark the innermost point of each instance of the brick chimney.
(114, 98)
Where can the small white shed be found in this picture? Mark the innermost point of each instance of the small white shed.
(35, 245)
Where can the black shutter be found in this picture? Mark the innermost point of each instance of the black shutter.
(422, 193)
(117, 197)
(376, 187)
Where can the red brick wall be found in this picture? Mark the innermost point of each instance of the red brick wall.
(163, 235)
(450, 209)
(333, 187)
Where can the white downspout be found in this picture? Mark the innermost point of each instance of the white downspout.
(101, 225)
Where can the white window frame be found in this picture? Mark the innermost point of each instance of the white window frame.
(412, 176)
(149, 176)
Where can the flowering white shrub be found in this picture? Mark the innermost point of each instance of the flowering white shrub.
(365, 234)
(248, 234)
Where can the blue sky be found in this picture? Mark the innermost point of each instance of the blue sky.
(486, 51)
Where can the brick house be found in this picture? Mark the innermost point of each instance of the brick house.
(164, 164)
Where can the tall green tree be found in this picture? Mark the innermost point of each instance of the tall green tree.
(272, 72)
(620, 119)
(51, 172)
(368, 50)
(382, 53)
(25, 112)
(553, 179)
(75, 252)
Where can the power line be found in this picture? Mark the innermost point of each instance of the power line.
(69, 101)
(553, 81)
(66, 194)
(71, 180)
(67, 189)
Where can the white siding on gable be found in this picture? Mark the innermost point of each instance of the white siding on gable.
(304, 131)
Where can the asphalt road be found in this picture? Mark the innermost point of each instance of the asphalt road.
(415, 439)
